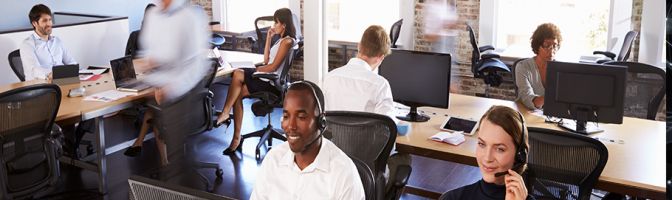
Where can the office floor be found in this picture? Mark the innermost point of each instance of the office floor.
(239, 170)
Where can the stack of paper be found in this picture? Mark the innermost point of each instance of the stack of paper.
(108, 96)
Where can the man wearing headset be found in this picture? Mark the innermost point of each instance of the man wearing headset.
(306, 166)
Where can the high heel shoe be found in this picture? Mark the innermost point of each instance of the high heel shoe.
(227, 121)
(133, 151)
(230, 152)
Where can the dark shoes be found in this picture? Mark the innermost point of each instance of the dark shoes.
(227, 122)
(133, 151)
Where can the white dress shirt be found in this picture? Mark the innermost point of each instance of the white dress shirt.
(38, 56)
(332, 175)
(355, 87)
(177, 41)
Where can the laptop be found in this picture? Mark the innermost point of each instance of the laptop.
(124, 75)
(65, 74)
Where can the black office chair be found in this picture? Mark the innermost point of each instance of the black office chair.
(217, 40)
(261, 26)
(655, 94)
(368, 137)
(394, 32)
(366, 176)
(132, 44)
(485, 65)
(625, 49)
(513, 72)
(16, 64)
(29, 165)
(181, 121)
(563, 165)
(267, 101)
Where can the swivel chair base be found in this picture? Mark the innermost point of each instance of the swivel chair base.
(266, 134)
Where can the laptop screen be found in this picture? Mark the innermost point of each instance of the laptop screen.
(122, 69)
(65, 71)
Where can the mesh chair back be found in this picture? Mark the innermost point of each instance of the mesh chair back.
(132, 44)
(26, 118)
(394, 32)
(627, 46)
(368, 137)
(16, 64)
(261, 26)
(475, 54)
(649, 82)
(563, 165)
(366, 175)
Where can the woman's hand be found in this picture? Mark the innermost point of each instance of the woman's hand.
(270, 33)
(515, 186)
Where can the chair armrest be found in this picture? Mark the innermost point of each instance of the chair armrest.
(485, 48)
(489, 56)
(268, 76)
(402, 176)
(605, 53)
(259, 64)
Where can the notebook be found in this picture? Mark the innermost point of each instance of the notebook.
(454, 138)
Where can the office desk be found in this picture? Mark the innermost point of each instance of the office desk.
(635, 167)
(218, 29)
(75, 109)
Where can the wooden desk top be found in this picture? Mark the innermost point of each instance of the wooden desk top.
(634, 167)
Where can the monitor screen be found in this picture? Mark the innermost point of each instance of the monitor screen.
(585, 92)
(122, 69)
(418, 78)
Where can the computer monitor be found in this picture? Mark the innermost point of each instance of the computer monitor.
(417, 79)
(585, 93)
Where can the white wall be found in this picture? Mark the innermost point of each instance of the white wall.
(89, 44)
(652, 35)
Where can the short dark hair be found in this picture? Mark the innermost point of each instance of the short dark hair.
(284, 15)
(37, 11)
(310, 87)
(543, 32)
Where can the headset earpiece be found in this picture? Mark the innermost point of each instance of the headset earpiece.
(521, 153)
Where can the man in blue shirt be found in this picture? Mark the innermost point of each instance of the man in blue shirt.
(41, 51)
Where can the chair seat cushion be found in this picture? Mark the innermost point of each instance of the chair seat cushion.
(26, 162)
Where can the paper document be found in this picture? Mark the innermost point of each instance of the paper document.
(454, 138)
(242, 64)
(108, 96)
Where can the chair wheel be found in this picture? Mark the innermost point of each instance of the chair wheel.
(219, 173)
(257, 155)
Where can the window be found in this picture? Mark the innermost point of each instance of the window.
(347, 19)
(584, 25)
(240, 14)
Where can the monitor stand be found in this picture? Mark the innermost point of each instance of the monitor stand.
(580, 127)
(414, 116)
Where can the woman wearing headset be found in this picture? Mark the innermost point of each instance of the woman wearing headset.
(501, 155)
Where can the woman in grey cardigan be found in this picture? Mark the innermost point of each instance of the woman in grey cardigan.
(531, 72)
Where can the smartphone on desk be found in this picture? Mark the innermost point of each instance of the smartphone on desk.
(458, 124)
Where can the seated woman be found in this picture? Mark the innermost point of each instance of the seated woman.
(243, 84)
(531, 73)
(501, 155)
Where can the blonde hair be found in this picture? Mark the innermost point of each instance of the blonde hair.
(375, 42)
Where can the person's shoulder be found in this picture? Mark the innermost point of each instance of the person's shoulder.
(27, 42)
(461, 192)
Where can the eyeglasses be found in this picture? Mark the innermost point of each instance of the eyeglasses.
(554, 47)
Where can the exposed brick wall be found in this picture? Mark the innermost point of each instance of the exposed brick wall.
(207, 6)
(637, 6)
